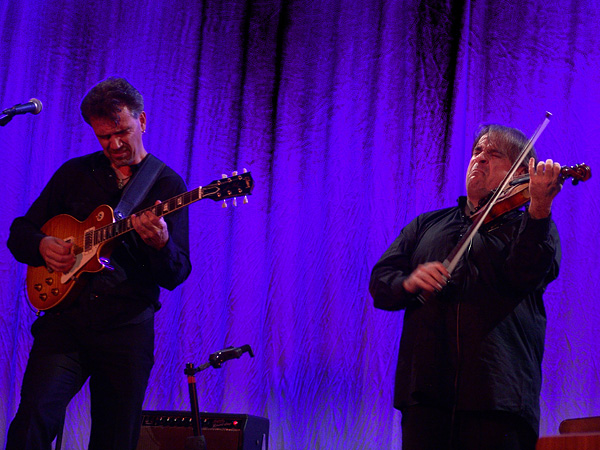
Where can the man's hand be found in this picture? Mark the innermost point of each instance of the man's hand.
(544, 185)
(57, 253)
(152, 229)
(428, 277)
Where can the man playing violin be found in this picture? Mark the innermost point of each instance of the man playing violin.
(469, 365)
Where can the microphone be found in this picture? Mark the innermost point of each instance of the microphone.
(33, 106)
(218, 358)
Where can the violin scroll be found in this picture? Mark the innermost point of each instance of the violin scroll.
(579, 172)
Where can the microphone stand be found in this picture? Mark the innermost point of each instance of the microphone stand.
(5, 118)
(7, 115)
(198, 441)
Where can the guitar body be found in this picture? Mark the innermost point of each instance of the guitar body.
(46, 288)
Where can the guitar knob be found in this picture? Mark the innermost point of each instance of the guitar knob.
(55, 291)
(49, 281)
(37, 287)
(43, 297)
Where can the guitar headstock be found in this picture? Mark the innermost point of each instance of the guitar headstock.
(236, 185)
(579, 172)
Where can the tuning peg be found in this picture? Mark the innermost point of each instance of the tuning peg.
(223, 175)
(224, 205)
(245, 170)
(234, 201)
(234, 173)
(245, 199)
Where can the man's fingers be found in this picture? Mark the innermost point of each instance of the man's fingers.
(57, 253)
(428, 277)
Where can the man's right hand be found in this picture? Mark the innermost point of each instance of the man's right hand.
(57, 253)
(428, 277)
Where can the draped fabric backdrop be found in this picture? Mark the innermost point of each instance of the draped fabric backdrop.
(353, 116)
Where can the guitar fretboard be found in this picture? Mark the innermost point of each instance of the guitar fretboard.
(98, 236)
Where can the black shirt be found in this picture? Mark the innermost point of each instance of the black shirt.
(130, 291)
(478, 344)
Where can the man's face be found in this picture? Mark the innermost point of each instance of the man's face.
(488, 167)
(121, 142)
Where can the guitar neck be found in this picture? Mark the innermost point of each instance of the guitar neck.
(122, 226)
(228, 187)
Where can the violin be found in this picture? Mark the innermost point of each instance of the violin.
(517, 193)
(510, 194)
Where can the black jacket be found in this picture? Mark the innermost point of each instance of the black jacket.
(479, 344)
(130, 291)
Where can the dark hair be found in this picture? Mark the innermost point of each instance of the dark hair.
(108, 98)
(510, 140)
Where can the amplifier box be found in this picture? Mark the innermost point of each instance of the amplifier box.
(169, 430)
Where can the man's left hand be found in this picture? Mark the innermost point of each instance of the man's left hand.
(544, 185)
(152, 229)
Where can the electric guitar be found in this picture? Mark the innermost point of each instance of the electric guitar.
(46, 289)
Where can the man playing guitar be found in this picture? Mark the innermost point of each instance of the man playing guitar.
(104, 330)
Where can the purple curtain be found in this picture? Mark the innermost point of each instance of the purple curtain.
(353, 116)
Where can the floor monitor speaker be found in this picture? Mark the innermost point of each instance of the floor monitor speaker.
(169, 430)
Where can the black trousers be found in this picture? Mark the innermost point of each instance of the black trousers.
(432, 428)
(65, 353)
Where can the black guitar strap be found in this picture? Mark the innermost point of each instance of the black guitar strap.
(139, 186)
